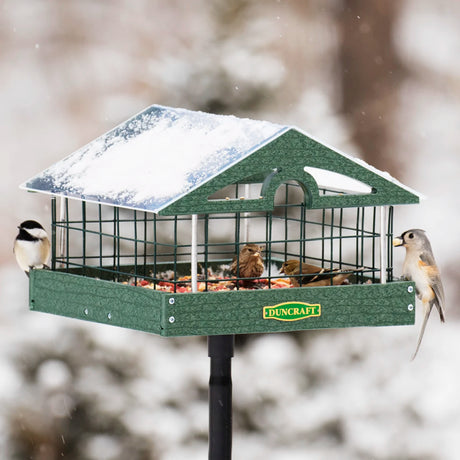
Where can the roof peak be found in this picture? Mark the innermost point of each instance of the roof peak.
(160, 155)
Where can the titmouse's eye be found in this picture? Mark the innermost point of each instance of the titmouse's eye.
(411, 235)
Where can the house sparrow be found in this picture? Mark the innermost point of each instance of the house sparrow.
(315, 276)
(31, 246)
(249, 263)
(420, 266)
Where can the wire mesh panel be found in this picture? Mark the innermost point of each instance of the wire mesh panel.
(145, 249)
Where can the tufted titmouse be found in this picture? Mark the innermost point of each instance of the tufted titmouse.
(420, 266)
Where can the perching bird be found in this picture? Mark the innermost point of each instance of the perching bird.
(420, 267)
(31, 246)
(315, 276)
(249, 263)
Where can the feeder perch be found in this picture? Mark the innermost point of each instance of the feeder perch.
(147, 218)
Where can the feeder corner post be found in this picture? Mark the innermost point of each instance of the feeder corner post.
(220, 351)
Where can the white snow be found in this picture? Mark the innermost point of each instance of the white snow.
(163, 153)
(157, 156)
(53, 374)
(103, 447)
(335, 181)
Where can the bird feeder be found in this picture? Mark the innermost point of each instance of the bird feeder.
(166, 199)
(147, 218)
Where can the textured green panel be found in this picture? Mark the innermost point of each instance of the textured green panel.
(242, 311)
(289, 154)
(212, 313)
(95, 300)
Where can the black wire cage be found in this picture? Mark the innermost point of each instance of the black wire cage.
(145, 249)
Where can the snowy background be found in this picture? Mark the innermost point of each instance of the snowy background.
(379, 80)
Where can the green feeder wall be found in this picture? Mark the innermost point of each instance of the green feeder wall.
(169, 196)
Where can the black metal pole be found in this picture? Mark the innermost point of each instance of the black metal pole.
(220, 350)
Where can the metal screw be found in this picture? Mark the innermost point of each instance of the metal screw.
(109, 316)
(86, 311)
(410, 307)
(410, 289)
(171, 318)
(171, 301)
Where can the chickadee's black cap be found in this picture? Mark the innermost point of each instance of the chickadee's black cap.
(29, 224)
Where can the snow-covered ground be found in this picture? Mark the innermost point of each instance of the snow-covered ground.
(76, 390)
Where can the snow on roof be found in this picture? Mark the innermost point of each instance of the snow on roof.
(154, 158)
(163, 153)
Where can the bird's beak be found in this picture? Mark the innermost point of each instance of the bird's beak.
(282, 269)
(256, 254)
(398, 241)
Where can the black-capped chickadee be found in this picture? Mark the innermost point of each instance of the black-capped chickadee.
(420, 267)
(32, 246)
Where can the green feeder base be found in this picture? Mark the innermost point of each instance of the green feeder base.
(222, 312)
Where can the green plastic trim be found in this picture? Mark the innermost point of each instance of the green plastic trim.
(287, 156)
(215, 313)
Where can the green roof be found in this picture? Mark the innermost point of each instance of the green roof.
(171, 161)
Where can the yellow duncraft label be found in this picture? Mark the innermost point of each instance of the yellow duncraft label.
(292, 311)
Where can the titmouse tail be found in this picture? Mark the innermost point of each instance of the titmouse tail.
(442, 315)
(427, 311)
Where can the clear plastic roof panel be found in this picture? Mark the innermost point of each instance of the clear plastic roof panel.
(154, 158)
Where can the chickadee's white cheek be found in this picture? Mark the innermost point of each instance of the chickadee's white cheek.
(37, 233)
